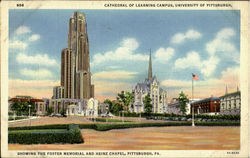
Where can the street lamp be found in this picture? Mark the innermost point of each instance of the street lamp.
(29, 113)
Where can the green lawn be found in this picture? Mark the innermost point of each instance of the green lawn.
(37, 130)
(16, 118)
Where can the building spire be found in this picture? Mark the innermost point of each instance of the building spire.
(150, 67)
(238, 88)
(226, 90)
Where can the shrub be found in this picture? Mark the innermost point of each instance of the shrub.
(72, 135)
(108, 120)
(105, 127)
(228, 123)
(87, 126)
(56, 126)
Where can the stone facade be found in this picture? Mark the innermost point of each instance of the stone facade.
(58, 92)
(75, 66)
(152, 87)
(81, 107)
(230, 103)
(40, 105)
(206, 106)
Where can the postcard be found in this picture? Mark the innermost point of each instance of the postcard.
(124, 79)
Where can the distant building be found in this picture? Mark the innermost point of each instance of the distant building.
(103, 108)
(174, 106)
(58, 92)
(75, 65)
(206, 106)
(188, 105)
(152, 87)
(81, 107)
(40, 105)
(230, 103)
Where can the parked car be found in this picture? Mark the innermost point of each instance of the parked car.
(183, 119)
(104, 115)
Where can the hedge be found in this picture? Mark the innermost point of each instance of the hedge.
(108, 120)
(105, 127)
(228, 123)
(55, 126)
(222, 117)
(72, 135)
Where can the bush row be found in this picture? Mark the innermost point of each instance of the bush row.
(108, 120)
(55, 126)
(229, 123)
(72, 135)
(105, 127)
(222, 117)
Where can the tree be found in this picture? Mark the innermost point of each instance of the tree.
(147, 105)
(117, 107)
(121, 98)
(183, 100)
(63, 112)
(129, 99)
(22, 108)
(125, 99)
(109, 102)
(49, 111)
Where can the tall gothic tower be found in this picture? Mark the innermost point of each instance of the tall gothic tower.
(75, 67)
(150, 67)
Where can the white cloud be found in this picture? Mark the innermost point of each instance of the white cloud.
(164, 54)
(124, 52)
(39, 59)
(36, 74)
(206, 88)
(191, 60)
(222, 46)
(219, 48)
(181, 37)
(22, 30)
(117, 74)
(34, 37)
(17, 44)
(209, 66)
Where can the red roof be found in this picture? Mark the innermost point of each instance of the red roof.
(36, 100)
(17, 99)
(26, 100)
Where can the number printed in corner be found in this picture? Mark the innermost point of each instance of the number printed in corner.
(20, 5)
(233, 152)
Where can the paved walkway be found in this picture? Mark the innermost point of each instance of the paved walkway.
(51, 120)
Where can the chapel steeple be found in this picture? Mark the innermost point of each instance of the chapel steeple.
(150, 67)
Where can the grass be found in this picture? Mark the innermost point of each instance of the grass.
(37, 130)
(16, 118)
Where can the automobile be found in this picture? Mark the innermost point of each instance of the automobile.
(199, 119)
(58, 115)
(104, 115)
(183, 119)
(52, 115)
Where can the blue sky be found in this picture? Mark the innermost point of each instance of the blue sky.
(206, 43)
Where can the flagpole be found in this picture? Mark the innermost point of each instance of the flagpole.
(192, 101)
